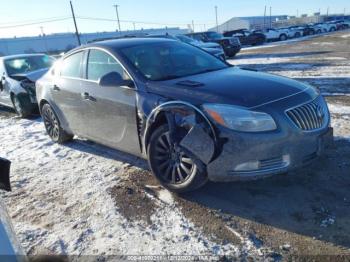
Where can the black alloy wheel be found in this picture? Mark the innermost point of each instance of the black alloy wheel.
(172, 165)
(52, 125)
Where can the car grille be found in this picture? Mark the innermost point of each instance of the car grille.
(310, 116)
(234, 41)
(272, 163)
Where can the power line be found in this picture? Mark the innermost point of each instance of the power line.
(34, 23)
(32, 20)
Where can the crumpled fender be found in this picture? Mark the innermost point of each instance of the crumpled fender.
(201, 137)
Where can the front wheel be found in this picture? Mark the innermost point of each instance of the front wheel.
(53, 126)
(283, 37)
(173, 167)
(21, 105)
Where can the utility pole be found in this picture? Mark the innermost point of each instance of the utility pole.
(116, 10)
(327, 12)
(265, 18)
(297, 12)
(134, 26)
(44, 38)
(192, 26)
(75, 23)
(270, 17)
(216, 15)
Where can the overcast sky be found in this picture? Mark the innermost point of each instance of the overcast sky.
(146, 13)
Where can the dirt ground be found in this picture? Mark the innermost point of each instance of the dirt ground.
(303, 215)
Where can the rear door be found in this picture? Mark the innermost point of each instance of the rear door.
(66, 91)
(110, 111)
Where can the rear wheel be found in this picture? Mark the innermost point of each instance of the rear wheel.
(53, 126)
(174, 168)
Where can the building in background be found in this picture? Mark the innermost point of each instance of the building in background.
(251, 22)
(261, 22)
(57, 43)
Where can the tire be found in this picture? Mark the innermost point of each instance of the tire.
(53, 126)
(172, 165)
(283, 37)
(319, 31)
(297, 35)
(21, 104)
(231, 54)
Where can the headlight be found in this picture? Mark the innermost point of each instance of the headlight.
(240, 119)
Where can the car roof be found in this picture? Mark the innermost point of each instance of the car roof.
(116, 44)
(19, 56)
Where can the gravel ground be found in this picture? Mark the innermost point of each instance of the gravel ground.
(85, 199)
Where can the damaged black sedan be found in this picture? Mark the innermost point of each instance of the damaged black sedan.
(193, 116)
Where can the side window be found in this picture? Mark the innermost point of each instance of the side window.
(100, 63)
(197, 37)
(71, 65)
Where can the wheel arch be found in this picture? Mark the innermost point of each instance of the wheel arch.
(158, 117)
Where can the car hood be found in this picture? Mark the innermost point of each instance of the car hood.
(208, 45)
(32, 76)
(233, 86)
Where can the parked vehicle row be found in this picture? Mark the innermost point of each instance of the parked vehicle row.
(190, 114)
(212, 48)
(231, 45)
(284, 33)
(247, 37)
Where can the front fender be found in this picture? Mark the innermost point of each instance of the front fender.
(201, 138)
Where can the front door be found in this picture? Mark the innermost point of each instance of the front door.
(110, 111)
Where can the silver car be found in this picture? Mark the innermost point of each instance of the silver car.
(18, 76)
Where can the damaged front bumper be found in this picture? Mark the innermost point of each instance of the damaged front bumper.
(253, 156)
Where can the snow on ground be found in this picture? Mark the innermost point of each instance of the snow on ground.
(60, 200)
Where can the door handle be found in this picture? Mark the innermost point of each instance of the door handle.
(87, 96)
(56, 88)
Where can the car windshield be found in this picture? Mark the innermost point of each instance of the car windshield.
(214, 35)
(27, 64)
(170, 60)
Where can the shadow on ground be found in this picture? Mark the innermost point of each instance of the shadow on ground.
(313, 202)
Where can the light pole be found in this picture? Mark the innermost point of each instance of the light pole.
(116, 10)
(216, 16)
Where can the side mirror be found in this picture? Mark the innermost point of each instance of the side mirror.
(5, 174)
(114, 79)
